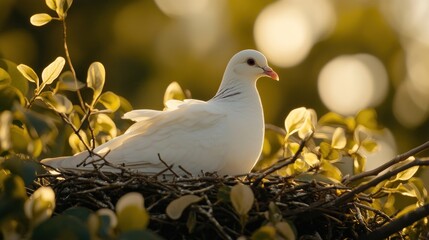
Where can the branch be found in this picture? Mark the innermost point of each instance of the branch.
(280, 166)
(398, 224)
(361, 188)
(397, 159)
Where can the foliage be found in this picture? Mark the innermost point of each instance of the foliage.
(293, 188)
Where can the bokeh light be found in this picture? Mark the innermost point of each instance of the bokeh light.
(287, 30)
(350, 83)
(183, 8)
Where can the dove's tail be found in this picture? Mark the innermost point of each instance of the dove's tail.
(68, 162)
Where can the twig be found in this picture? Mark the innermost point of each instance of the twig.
(279, 166)
(392, 162)
(213, 220)
(361, 188)
(169, 167)
(398, 224)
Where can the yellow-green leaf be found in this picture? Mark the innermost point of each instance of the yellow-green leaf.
(103, 123)
(242, 198)
(67, 82)
(40, 205)
(28, 73)
(264, 233)
(52, 4)
(20, 139)
(5, 124)
(309, 124)
(130, 199)
(174, 91)
(17, 79)
(4, 77)
(40, 19)
(295, 119)
(62, 7)
(339, 140)
(110, 101)
(176, 207)
(96, 78)
(57, 102)
(369, 145)
(367, 118)
(113, 220)
(285, 230)
(359, 163)
(329, 170)
(311, 159)
(407, 174)
(132, 218)
(76, 144)
(52, 71)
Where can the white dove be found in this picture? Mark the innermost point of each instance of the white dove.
(223, 135)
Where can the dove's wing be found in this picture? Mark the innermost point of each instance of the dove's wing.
(189, 136)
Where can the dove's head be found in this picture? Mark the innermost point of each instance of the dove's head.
(251, 64)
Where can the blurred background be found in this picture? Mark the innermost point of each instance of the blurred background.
(331, 55)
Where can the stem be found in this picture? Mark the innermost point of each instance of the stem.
(69, 61)
(82, 103)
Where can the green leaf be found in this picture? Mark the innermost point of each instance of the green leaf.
(108, 218)
(14, 187)
(28, 73)
(274, 213)
(26, 169)
(110, 101)
(67, 82)
(242, 198)
(332, 118)
(57, 102)
(176, 207)
(52, 71)
(223, 194)
(10, 97)
(96, 78)
(80, 213)
(4, 77)
(40, 19)
(61, 227)
(191, 222)
(18, 80)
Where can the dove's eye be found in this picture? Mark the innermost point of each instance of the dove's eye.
(250, 61)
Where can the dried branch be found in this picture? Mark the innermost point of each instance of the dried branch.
(385, 166)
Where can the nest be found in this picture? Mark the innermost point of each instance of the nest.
(311, 205)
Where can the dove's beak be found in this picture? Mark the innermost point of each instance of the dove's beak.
(269, 72)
